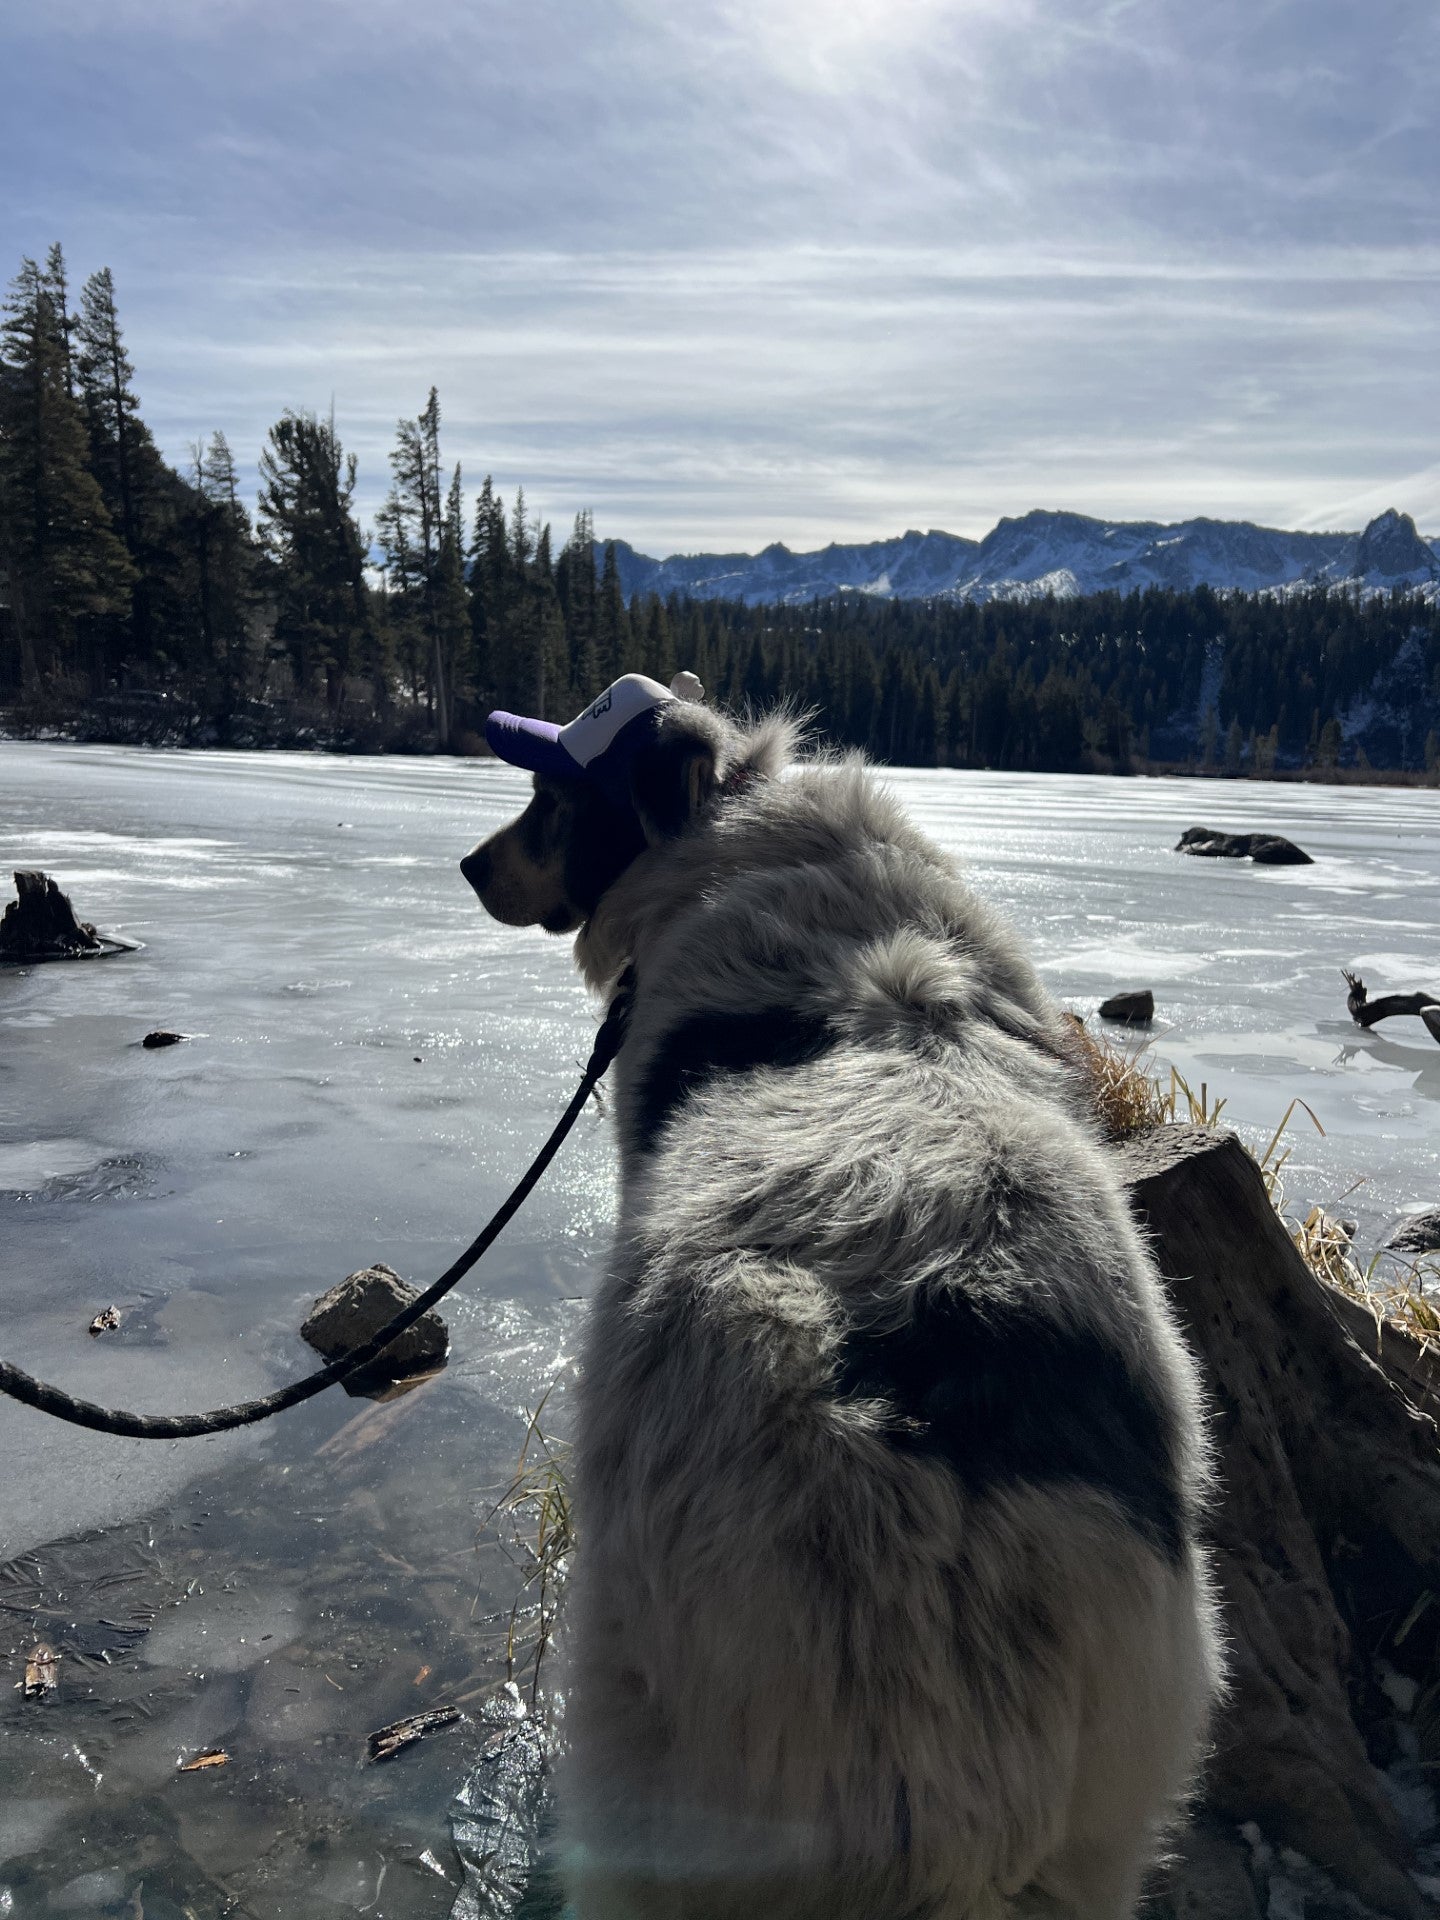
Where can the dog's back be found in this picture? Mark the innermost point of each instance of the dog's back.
(889, 1601)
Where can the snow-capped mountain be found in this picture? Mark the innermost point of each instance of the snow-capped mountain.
(1046, 552)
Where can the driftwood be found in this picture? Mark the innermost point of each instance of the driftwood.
(1365, 1012)
(386, 1742)
(40, 923)
(1327, 1536)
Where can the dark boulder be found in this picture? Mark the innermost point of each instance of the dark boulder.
(1273, 850)
(162, 1037)
(1266, 849)
(1135, 1009)
(355, 1311)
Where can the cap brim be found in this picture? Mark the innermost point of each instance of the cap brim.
(532, 744)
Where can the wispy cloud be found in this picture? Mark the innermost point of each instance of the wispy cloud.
(769, 268)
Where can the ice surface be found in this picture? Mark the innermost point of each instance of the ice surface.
(1245, 961)
(305, 919)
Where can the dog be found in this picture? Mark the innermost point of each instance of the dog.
(890, 1464)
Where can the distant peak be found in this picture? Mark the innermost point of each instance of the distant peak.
(1390, 547)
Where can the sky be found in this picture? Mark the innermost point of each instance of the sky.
(735, 271)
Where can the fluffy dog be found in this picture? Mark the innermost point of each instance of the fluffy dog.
(889, 1602)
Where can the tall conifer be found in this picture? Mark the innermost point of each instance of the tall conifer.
(612, 625)
(410, 527)
(308, 524)
(227, 570)
(66, 570)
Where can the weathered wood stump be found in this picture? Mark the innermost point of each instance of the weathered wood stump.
(1327, 1534)
(1265, 849)
(40, 923)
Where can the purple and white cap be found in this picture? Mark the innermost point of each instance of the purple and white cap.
(599, 743)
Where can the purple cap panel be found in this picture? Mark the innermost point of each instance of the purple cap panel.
(532, 744)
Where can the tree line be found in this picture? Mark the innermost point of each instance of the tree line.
(141, 600)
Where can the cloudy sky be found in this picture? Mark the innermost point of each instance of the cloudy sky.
(730, 271)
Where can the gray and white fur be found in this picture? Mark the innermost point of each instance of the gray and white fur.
(889, 1602)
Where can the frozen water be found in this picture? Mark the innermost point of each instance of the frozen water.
(304, 921)
(1244, 961)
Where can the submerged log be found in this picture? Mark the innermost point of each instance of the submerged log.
(1364, 1011)
(40, 923)
(1326, 1534)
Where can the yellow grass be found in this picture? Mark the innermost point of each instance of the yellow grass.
(1130, 1099)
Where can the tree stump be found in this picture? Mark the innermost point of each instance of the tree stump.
(1326, 1531)
(40, 923)
(1265, 849)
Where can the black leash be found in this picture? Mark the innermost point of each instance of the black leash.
(186, 1426)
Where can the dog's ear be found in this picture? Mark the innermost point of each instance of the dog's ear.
(673, 777)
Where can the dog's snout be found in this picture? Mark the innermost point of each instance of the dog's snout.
(476, 869)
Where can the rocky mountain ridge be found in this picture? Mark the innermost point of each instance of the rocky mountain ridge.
(1047, 552)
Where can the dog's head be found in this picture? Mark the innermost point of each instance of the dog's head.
(553, 866)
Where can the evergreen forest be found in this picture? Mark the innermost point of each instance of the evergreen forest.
(143, 602)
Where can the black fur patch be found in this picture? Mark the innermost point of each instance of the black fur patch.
(1003, 1397)
(601, 842)
(660, 778)
(707, 1044)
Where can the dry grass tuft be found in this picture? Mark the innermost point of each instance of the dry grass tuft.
(1130, 1099)
(533, 1520)
(1397, 1290)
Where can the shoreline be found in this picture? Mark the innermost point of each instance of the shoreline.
(403, 745)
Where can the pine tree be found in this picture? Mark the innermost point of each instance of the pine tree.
(65, 569)
(227, 567)
(577, 587)
(57, 283)
(612, 623)
(490, 594)
(452, 609)
(410, 527)
(139, 492)
(307, 520)
(537, 629)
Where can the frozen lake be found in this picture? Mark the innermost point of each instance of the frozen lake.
(372, 1064)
